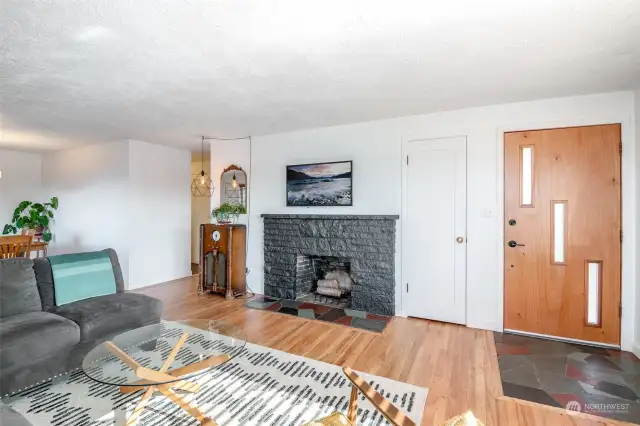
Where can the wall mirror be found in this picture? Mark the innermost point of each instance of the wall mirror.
(233, 186)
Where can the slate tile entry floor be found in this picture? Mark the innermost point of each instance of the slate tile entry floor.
(349, 317)
(603, 382)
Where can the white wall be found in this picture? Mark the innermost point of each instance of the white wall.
(92, 184)
(160, 216)
(636, 347)
(200, 210)
(376, 149)
(131, 196)
(21, 181)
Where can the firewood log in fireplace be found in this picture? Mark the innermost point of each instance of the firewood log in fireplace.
(327, 291)
(344, 280)
(329, 288)
(329, 284)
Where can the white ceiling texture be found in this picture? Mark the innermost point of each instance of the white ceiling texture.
(167, 71)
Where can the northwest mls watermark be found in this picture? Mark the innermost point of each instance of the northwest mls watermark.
(597, 408)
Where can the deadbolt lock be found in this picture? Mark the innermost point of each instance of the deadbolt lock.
(460, 240)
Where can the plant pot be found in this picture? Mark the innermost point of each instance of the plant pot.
(36, 233)
(226, 218)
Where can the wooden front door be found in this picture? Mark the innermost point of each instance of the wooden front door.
(563, 232)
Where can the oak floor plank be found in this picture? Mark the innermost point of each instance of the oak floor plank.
(330, 347)
(301, 340)
(350, 353)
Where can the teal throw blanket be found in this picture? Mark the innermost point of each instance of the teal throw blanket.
(81, 276)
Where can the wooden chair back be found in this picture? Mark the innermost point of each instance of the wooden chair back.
(15, 246)
(387, 409)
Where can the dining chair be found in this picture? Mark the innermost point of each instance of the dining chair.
(387, 409)
(15, 246)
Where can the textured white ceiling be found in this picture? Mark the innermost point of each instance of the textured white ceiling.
(167, 71)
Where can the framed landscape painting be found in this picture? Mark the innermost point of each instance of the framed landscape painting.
(320, 184)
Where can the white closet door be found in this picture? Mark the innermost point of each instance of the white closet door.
(435, 230)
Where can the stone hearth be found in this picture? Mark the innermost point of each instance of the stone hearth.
(368, 241)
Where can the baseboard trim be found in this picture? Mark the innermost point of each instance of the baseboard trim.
(150, 286)
(636, 349)
(562, 339)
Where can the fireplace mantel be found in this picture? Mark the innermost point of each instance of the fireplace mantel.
(333, 216)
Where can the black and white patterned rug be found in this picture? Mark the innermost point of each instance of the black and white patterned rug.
(260, 386)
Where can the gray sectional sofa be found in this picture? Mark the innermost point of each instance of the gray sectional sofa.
(39, 340)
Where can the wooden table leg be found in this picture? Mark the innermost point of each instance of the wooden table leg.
(182, 385)
(135, 416)
(182, 371)
(161, 375)
(174, 352)
(192, 410)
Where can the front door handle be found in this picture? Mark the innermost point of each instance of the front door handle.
(513, 244)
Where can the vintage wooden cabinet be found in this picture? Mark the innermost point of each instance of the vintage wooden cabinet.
(223, 259)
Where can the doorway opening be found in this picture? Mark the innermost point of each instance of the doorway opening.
(200, 207)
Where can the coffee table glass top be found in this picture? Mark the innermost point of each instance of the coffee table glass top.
(164, 353)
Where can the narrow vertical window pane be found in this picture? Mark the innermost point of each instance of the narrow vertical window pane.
(593, 293)
(558, 232)
(526, 191)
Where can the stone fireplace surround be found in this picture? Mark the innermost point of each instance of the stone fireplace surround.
(367, 241)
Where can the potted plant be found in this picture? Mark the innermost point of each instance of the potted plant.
(228, 212)
(34, 218)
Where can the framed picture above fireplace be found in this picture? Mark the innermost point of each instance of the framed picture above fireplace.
(320, 184)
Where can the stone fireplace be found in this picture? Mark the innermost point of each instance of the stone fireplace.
(300, 249)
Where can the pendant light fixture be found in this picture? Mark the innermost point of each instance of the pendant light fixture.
(201, 184)
(234, 182)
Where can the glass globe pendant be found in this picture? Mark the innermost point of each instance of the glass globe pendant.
(201, 184)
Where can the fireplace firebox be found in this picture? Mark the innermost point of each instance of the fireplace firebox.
(325, 280)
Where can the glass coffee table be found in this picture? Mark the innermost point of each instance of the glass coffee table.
(164, 357)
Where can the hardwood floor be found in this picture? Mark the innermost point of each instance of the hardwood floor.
(457, 364)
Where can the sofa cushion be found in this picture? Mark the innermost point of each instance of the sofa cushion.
(18, 289)
(44, 278)
(112, 313)
(28, 337)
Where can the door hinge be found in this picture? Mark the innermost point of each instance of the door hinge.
(620, 311)
(407, 287)
(621, 235)
(620, 148)
(407, 160)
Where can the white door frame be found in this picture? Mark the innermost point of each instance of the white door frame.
(628, 213)
(404, 220)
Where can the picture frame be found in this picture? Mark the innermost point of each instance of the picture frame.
(326, 184)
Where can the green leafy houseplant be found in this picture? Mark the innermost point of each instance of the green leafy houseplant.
(228, 212)
(32, 216)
